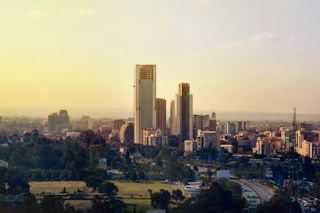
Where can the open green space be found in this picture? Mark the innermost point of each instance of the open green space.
(37, 187)
(137, 194)
(132, 193)
(140, 189)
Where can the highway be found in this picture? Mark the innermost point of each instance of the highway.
(251, 196)
(264, 192)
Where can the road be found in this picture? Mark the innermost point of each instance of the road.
(251, 196)
(264, 192)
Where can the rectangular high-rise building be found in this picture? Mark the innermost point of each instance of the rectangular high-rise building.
(161, 118)
(183, 112)
(145, 100)
(58, 122)
(172, 119)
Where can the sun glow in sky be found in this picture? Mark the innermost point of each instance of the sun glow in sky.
(261, 56)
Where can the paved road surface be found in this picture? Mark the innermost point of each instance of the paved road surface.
(264, 192)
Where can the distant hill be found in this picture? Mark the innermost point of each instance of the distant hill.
(265, 116)
(128, 112)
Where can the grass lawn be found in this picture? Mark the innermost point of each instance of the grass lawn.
(140, 189)
(36, 187)
(136, 193)
(132, 193)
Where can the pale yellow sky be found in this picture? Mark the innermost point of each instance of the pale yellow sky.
(247, 56)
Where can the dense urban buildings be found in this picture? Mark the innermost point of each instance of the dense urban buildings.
(145, 100)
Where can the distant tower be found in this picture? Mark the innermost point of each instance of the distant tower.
(144, 102)
(57, 122)
(161, 114)
(184, 112)
(294, 121)
(292, 131)
(172, 119)
(213, 122)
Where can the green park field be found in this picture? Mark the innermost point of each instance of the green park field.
(137, 194)
(37, 187)
(132, 193)
(140, 189)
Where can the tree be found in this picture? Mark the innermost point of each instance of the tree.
(93, 181)
(177, 195)
(215, 197)
(141, 175)
(209, 173)
(29, 204)
(17, 181)
(110, 203)
(100, 206)
(3, 180)
(315, 190)
(109, 189)
(161, 199)
(53, 204)
(195, 168)
(280, 202)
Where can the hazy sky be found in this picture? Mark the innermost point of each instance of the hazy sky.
(248, 55)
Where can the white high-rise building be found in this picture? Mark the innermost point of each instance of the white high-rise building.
(145, 100)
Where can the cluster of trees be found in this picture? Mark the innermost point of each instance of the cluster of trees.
(163, 198)
(41, 158)
(315, 190)
(13, 181)
(49, 204)
(46, 159)
(109, 203)
(217, 196)
(280, 202)
(55, 204)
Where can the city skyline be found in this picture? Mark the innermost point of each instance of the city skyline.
(239, 56)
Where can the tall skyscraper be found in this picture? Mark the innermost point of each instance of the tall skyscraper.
(161, 110)
(183, 112)
(145, 100)
(172, 119)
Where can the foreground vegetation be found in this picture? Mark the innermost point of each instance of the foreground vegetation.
(134, 194)
(38, 161)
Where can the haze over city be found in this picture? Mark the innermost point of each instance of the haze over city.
(248, 56)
